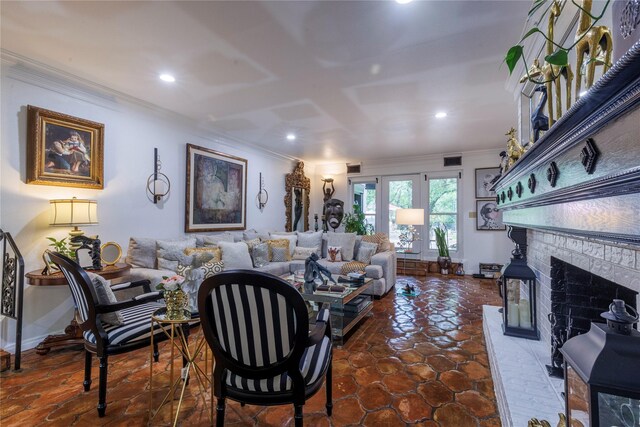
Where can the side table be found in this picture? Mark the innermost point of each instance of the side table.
(118, 273)
(178, 338)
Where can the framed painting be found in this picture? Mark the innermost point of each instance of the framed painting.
(64, 150)
(488, 217)
(216, 191)
(484, 178)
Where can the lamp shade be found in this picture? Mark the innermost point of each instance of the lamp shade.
(410, 217)
(73, 212)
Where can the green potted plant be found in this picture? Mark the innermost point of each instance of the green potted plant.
(356, 223)
(444, 261)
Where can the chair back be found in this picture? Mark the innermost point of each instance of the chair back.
(84, 295)
(257, 324)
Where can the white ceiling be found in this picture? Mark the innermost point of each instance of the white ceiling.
(354, 80)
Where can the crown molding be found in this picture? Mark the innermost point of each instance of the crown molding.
(30, 71)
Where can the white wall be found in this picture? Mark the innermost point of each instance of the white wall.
(477, 246)
(131, 132)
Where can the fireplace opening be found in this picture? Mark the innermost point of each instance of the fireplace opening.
(577, 299)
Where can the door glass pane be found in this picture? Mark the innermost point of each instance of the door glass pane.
(443, 210)
(400, 197)
(364, 196)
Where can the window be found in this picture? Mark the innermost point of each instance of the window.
(443, 209)
(364, 195)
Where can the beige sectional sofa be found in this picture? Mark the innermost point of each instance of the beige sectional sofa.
(154, 258)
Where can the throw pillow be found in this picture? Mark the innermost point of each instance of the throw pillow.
(202, 255)
(217, 238)
(381, 239)
(235, 255)
(280, 254)
(141, 252)
(276, 243)
(170, 252)
(252, 242)
(334, 253)
(352, 266)
(366, 251)
(346, 241)
(260, 255)
(303, 253)
(212, 267)
(311, 240)
(292, 238)
(105, 296)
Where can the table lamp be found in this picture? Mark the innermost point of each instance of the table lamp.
(73, 213)
(409, 217)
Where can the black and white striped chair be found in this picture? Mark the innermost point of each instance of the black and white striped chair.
(104, 339)
(258, 328)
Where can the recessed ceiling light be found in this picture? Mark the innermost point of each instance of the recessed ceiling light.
(291, 137)
(403, 1)
(441, 115)
(167, 78)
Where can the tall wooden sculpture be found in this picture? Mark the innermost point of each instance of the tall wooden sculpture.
(596, 43)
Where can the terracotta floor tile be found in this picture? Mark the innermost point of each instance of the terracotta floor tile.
(419, 360)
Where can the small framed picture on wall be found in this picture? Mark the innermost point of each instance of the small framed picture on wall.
(484, 181)
(489, 216)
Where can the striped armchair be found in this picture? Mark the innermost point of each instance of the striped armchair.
(101, 338)
(258, 328)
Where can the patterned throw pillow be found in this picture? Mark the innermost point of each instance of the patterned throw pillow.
(352, 266)
(252, 242)
(276, 243)
(381, 239)
(212, 267)
(291, 238)
(280, 254)
(205, 254)
(303, 253)
(366, 251)
(105, 296)
(260, 255)
(334, 253)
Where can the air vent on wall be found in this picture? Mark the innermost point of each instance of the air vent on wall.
(353, 168)
(453, 161)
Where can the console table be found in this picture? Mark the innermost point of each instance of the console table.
(118, 273)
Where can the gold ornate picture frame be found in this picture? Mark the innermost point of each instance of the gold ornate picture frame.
(216, 197)
(297, 187)
(63, 150)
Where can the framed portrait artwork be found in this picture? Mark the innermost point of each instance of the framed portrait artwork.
(64, 150)
(488, 217)
(216, 191)
(484, 176)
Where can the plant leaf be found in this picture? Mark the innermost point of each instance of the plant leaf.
(536, 5)
(559, 57)
(513, 56)
(530, 32)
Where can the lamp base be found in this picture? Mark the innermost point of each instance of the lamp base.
(74, 233)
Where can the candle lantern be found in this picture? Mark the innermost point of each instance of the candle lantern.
(602, 372)
(519, 298)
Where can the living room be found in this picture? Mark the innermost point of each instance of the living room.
(334, 95)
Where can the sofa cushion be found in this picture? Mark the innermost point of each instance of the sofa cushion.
(105, 296)
(333, 267)
(153, 275)
(276, 243)
(366, 251)
(141, 252)
(235, 255)
(292, 238)
(260, 255)
(381, 239)
(311, 239)
(303, 253)
(275, 268)
(213, 240)
(280, 254)
(346, 241)
(170, 252)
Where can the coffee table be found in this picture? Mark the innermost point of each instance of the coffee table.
(343, 317)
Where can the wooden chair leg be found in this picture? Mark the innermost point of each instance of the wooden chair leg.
(220, 413)
(328, 383)
(87, 370)
(102, 387)
(298, 415)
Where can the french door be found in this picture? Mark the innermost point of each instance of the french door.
(398, 192)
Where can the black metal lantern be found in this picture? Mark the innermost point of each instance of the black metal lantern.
(519, 298)
(602, 372)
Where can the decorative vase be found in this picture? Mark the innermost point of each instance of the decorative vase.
(177, 302)
(445, 263)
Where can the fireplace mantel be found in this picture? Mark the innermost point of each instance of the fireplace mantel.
(583, 176)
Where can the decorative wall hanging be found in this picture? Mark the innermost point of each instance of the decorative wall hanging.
(485, 177)
(263, 196)
(488, 217)
(158, 184)
(216, 191)
(296, 199)
(64, 150)
(334, 212)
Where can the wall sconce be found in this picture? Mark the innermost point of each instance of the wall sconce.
(158, 184)
(73, 213)
(263, 196)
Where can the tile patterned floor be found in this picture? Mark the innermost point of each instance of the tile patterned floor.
(417, 360)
